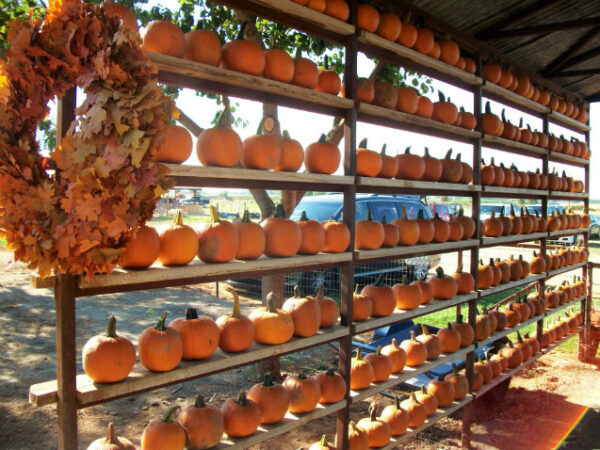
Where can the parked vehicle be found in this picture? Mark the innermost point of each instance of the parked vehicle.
(487, 208)
(594, 226)
(442, 210)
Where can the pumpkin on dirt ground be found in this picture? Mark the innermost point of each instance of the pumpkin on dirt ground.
(108, 358)
(112, 441)
(272, 325)
(305, 312)
(203, 422)
(200, 334)
(241, 416)
(165, 433)
(219, 241)
(272, 398)
(236, 331)
(160, 348)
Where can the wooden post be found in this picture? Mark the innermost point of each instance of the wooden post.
(543, 241)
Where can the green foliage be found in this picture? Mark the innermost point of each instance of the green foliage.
(16, 9)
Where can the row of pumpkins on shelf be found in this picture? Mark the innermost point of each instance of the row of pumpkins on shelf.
(109, 358)
(522, 85)
(493, 175)
(201, 425)
(526, 223)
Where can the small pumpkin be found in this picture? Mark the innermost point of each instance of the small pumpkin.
(390, 233)
(313, 235)
(396, 417)
(483, 327)
(389, 166)
(410, 167)
(305, 312)
(467, 334)
(271, 325)
(443, 391)
(164, 37)
(333, 386)
(449, 338)
(160, 348)
(338, 9)
(112, 441)
(378, 430)
(382, 365)
(459, 382)
(416, 411)
(279, 66)
(504, 268)
(306, 72)
(241, 416)
(304, 393)
(444, 287)
(292, 154)
(337, 236)
(330, 311)
(362, 305)
(272, 398)
(441, 229)
(322, 157)
(516, 269)
(513, 355)
(467, 223)
(358, 439)
(424, 107)
(219, 241)
(485, 276)
(444, 111)
(493, 226)
(408, 230)
(382, 296)
(142, 249)
(416, 352)
(220, 146)
(452, 169)
(261, 151)
(490, 123)
(450, 52)
(361, 372)
(426, 289)
(431, 341)
(501, 319)
(244, 56)
(433, 167)
(429, 401)
(165, 433)
(283, 236)
(408, 296)
(204, 424)
(236, 331)
(368, 18)
(252, 238)
(513, 317)
(396, 354)
(368, 162)
(322, 444)
(200, 334)
(525, 348)
(178, 244)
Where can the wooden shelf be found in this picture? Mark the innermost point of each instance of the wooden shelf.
(513, 99)
(193, 75)
(568, 159)
(552, 273)
(200, 176)
(559, 308)
(511, 285)
(289, 422)
(512, 239)
(156, 276)
(410, 250)
(502, 191)
(431, 420)
(569, 232)
(500, 143)
(568, 195)
(378, 46)
(410, 122)
(400, 315)
(568, 122)
(141, 380)
(500, 334)
(413, 186)
(408, 373)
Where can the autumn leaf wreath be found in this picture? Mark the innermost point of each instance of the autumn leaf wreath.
(77, 219)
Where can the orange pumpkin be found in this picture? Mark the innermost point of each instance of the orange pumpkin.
(467, 334)
(467, 223)
(485, 276)
(111, 441)
(330, 311)
(390, 233)
(425, 41)
(362, 305)
(203, 46)
(426, 289)
(338, 9)
(271, 325)
(416, 411)
(329, 81)
(128, 19)
(108, 358)
(429, 401)
(441, 229)
(236, 331)
(408, 100)
(337, 236)
(272, 399)
(283, 236)
(176, 147)
(164, 37)
(322, 157)
(490, 123)
(204, 424)
(378, 430)
(389, 166)
(279, 66)
(244, 56)
(305, 312)
(459, 382)
(396, 417)
(431, 341)
(382, 296)
(444, 286)
(449, 338)
(433, 167)
(452, 169)
(261, 151)
(426, 228)
(443, 391)
(512, 354)
(313, 235)
(333, 386)
(368, 162)
(507, 223)
(241, 417)
(382, 365)
(408, 296)
(465, 281)
(396, 354)
(252, 239)
(450, 52)
(292, 154)
(369, 235)
(493, 226)
(165, 433)
(361, 372)
(200, 334)
(142, 249)
(220, 146)
(424, 107)
(160, 348)
(306, 72)
(389, 26)
(408, 230)
(367, 18)
(219, 240)
(492, 72)
(410, 167)
(408, 34)
(304, 392)
(416, 352)
(358, 439)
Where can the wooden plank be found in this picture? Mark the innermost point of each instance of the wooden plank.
(501, 143)
(430, 421)
(511, 285)
(408, 373)
(552, 273)
(512, 239)
(426, 63)
(411, 122)
(559, 308)
(289, 422)
(500, 334)
(195, 269)
(399, 315)
(507, 191)
(569, 232)
(421, 186)
(513, 98)
(198, 71)
(141, 380)
(423, 249)
(188, 172)
(568, 195)
(569, 159)
(568, 122)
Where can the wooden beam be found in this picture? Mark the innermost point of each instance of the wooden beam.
(516, 16)
(539, 29)
(560, 61)
(575, 73)
(592, 98)
(592, 53)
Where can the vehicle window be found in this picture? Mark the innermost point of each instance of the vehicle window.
(361, 210)
(412, 210)
(517, 209)
(487, 209)
(387, 209)
(316, 210)
(534, 209)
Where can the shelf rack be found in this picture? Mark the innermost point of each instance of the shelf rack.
(72, 392)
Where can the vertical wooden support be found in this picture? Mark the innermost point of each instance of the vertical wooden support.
(347, 269)
(543, 241)
(586, 306)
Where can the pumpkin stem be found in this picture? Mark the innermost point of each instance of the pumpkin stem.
(383, 149)
(448, 154)
(330, 372)
(214, 214)
(441, 96)
(302, 375)
(363, 143)
(199, 402)
(169, 417)
(111, 329)
(178, 220)
(358, 354)
(191, 314)
(413, 398)
(235, 311)
(160, 326)
(407, 150)
(242, 399)
(303, 216)
(459, 319)
(488, 108)
(458, 157)
(396, 401)
(224, 120)
(502, 115)
(285, 135)
(271, 302)
(357, 289)
(450, 326)
(267, 381)
(111, 436)
(383, 220)
(394, 342)
(413, 337)
(323, 441)
(519, 338)
(454, 369)
(423, 390)
(242, 32)
(404, 280)
(379, 280)
(246, 216)
(279, 211)
(323, 138)
(373, 411)
(404, 217)
(424, 330)
(440, 272)
(326, 63)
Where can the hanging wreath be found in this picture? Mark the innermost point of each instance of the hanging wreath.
(77, 220)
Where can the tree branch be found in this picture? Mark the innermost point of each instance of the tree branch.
(187, 122)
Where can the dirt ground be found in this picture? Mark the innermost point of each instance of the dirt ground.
(542, 401)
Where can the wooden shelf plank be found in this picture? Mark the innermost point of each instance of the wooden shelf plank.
(500, 334)
(409, 122)
(552, 273)
(513, 98)
(400, 315)
(187, 175)
(290, 422)
(371, 44)
(568, 159)
(512, 284)
(501, 143)
(568, 195)
(194, 75)
(404, 251)
(417, 186)
(141, 380)
(569, 232)
(408, 373)
(559, 308)
(430, 421)
(508, 191)
(568, 122)
(512, 239)
(197, 269)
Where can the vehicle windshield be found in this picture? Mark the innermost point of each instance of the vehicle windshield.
(487, 209)
(535, 209)
(315, 210)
